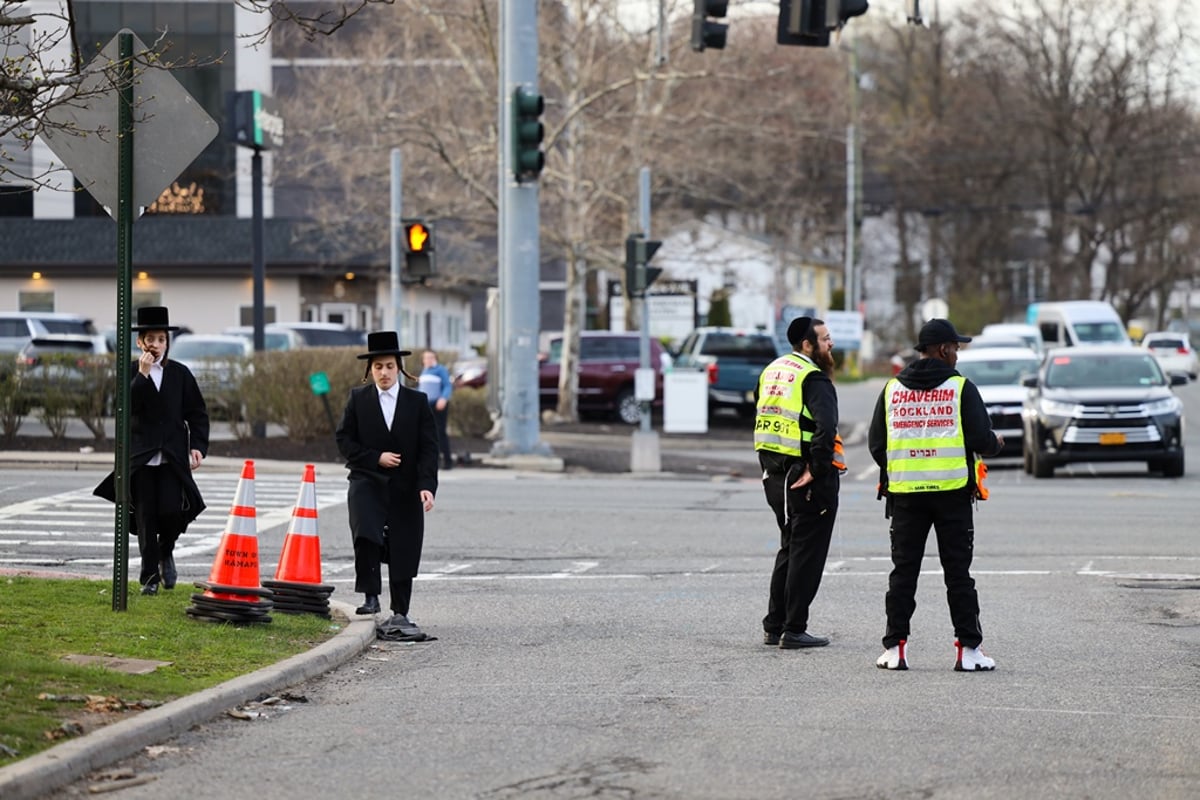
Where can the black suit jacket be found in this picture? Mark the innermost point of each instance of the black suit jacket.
(172, 420)
(378, 497)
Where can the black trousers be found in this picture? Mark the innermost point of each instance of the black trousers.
(440, 419)
(368, 574)
(157, 496)
(950, 515)
(805, 518)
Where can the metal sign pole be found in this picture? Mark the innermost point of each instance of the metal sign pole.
(120, 585)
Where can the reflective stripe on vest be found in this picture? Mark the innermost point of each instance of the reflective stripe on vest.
(926, 450)
(782, 422)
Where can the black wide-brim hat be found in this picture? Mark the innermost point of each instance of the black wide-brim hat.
(153, 318)
(384, 343)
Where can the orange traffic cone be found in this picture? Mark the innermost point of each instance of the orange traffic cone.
(297, 584)
(300, 560)
(232, 591)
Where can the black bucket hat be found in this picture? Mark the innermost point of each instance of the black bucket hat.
(153, 318)
(384, 343)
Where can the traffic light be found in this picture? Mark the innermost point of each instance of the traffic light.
(527, 134)
(807, 23)
(705, 32)
(639, 276)
(418, 248)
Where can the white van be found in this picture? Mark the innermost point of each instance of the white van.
(1080, 322)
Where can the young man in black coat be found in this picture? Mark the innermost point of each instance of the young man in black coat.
(389, 440)
(168, 438)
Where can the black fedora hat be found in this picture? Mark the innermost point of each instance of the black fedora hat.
(153, 318)
(384, 343)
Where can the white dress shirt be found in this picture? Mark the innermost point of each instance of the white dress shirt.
(156, 375)
(387, 403)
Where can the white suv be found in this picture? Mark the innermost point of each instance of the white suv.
(17, 328)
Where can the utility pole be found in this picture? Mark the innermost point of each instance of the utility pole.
(850, 294)
(397, 233)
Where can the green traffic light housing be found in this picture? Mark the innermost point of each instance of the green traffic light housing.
(527, 134)
(707, 34)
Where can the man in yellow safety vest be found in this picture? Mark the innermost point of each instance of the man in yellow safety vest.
(929, 428)
(795, 434)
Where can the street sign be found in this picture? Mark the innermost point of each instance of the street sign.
(846, 327)
(170, 129)
(319, 382)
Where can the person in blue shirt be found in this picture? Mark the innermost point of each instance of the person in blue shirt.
(435, 383)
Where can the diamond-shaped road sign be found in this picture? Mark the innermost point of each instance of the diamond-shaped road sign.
(170, 129)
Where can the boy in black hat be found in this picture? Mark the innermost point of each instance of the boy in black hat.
(389, 440)
(168, 438)
(929, 426)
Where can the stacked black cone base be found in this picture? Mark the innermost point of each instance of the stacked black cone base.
(292, 597)
(210, 607)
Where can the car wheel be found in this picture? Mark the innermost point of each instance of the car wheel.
(1173, 467)
(1040, 463)
(628, 409)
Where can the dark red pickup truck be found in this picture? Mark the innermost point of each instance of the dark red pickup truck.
(608, 362)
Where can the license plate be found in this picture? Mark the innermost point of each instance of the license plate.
(1112, 438)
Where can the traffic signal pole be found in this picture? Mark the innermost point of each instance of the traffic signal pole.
(518, 250)
(646, 455)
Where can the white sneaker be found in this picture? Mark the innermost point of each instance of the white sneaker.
(894, 657)
(972, 659)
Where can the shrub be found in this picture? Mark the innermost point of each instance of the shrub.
(469, 415)
(279, 389)
(12, 408)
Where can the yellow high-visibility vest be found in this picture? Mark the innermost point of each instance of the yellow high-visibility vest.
(782, 423)
(926, 449)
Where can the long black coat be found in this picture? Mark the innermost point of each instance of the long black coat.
(173, 420)
(379, 497)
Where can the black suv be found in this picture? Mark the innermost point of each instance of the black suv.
(1102, 403)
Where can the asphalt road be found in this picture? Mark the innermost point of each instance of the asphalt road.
(598, 636)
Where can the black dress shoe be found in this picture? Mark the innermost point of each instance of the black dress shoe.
(770, 639)
(150, 587)
(166, 568)
(369, 607)
(793, 641)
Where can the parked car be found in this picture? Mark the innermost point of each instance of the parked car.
(993, 341)
(1030, 335)
(1102, 403)
(217, 360)
(72, 365)
(608, 362)
(733, 358)
(325, 334)
(273, 338)
(1174, 352)
(17, 328)
(472, 372)
(998, 373)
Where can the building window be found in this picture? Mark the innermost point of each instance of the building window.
(35, 301)
(246, 315)
(16, 201)
(143, 299)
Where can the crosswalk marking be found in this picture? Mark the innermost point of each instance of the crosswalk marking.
(83, 523)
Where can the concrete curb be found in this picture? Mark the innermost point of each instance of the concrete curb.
(39, 775)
